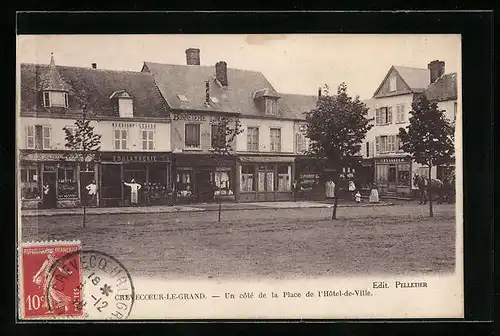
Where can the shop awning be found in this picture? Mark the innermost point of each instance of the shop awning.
(269, 159)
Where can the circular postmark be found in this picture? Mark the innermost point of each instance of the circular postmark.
(89, 284)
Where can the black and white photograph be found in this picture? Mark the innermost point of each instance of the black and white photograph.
(239, 176)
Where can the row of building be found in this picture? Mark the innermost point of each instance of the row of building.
(158, 126)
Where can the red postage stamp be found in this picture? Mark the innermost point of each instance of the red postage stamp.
(41, 294)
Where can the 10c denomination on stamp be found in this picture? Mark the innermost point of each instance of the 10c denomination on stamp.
(38, 299)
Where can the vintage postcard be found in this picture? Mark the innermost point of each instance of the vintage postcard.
(295, 176)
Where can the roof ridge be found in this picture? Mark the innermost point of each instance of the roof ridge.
(203, 66)
(86, 68)
(408, 67)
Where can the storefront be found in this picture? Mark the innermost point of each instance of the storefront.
(309, 178)
(51, 180)
(204, 178)
(150, 170)
(265, 179)
(393, 175)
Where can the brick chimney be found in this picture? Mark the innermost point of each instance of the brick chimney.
(207, 92)
(319, 91)
(221, 72)
(193, 56)
(437, 69)
(94, 65)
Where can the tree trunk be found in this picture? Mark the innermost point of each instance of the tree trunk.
(220, 205)
(336, 196)
(429, 188)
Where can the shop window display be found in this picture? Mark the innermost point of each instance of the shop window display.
(66, 182)
(30, 183)
(222, 183)
(184, 183)
(247, 178)
(284, 178)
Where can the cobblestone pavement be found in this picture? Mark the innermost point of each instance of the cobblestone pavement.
(270, 243)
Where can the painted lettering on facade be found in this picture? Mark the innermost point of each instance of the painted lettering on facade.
(199, 118)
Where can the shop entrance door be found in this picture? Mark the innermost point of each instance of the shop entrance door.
(50, 198)
(392, 179)
(203, 184)
(85, 179)
(266, 183)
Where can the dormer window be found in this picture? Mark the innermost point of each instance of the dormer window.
(55, 99)
(271, 106)
(267, 101)
(125, 103)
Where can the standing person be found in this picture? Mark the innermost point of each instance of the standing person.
(358, 196)
(134, 191)
(374, 194)
(352, 188)
(92, 192)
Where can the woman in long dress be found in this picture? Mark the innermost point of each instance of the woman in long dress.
(56, 298)
(374, 194)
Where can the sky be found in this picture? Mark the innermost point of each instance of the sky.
(296, 63)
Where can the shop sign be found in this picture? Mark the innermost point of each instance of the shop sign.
(392, 160)
(132, 125)
(54, 157)
(199, 117)
(135, 158)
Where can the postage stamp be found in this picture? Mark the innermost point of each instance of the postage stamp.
(60, 280)
(37, 262)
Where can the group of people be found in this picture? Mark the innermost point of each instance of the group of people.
(353, 192)
(443, 189)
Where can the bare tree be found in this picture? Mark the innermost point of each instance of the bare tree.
(82, 145)
(222, 144)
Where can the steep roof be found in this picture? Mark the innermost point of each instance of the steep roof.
(52, 80)
(444, 88)
(416, 78)
(94, 88)
(189, 81)
(298, 104)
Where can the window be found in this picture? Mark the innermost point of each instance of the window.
(367, 149)
(383, 116)
(38, 137)
(387, 143)
(381, 174)
(183, 185)
(222, 183)
(247, 178)
(253, 139)
(392, 84)
(404, 174)
(125, 107)
(218, 135)
(400, 113)
(192, 135)
(55, 99)
(30, 137)
(284, 178)
(66, 182)
(271, 106)
(120, 138)
(275, 139)
(30, 182)
(302, 142)
(148, 137)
